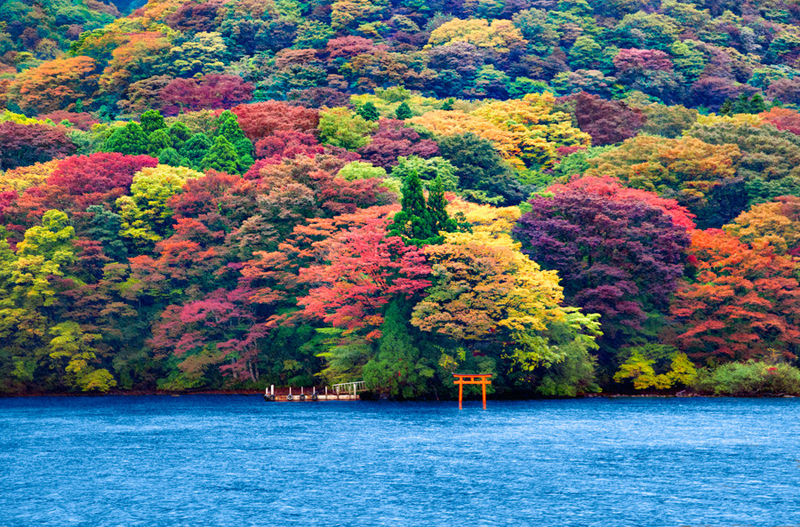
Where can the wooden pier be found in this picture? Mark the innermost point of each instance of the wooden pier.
(347, 391)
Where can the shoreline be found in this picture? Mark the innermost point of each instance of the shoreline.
(141, 393)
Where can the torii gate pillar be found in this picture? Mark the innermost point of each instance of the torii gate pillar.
(462, 378)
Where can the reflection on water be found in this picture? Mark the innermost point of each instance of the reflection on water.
(237, 460)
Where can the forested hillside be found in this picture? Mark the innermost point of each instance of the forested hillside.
(572, 196)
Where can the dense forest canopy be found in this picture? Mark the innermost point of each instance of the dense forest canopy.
(572, 196)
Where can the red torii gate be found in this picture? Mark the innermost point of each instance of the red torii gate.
(466, 378)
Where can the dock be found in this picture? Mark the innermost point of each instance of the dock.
(348, 391)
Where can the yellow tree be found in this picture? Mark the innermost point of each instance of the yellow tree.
(536, 128)
(499, 35)
(486, 290)
(776, 223)
(142, 55)
(146, 214)
(441, 122)
(686, 169)
(346, 13)
(22, 178)
(55, 85)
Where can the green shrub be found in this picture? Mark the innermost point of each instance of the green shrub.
(748, 379)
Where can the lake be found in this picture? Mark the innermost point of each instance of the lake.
(239, 461)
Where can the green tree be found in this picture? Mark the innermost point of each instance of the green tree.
(158, 141)
(129, 140)
(171, 157)
(222, 157)
(196, 149)
(345, 129)
(482, 173)
(413, 223)
(105, 227)
(151, 121)
(428, 170)
(369, 112)
(398, 368)
(227, 125)
(437, 209)
(403, 112)
(179, 133)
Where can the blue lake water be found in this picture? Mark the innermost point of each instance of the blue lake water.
(239, 461)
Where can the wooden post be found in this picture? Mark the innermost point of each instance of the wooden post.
(460, 394)
(483, 385)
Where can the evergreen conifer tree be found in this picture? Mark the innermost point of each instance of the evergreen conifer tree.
(757, 104)
(369, 112)
(170, 156)
(195, 149)
(158, 141)
(398, 369)
(179, 133)
(228, 127)
(403, 112)
(437, 208)
(222, 157)
(413, 223)
(129, 140)
(151, 121)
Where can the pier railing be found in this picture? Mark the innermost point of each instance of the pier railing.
(349, 387)
(346, 391)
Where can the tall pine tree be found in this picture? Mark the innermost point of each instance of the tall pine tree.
(419, 222)
(222, 157)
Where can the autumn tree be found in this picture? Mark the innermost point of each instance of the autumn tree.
(34, 143)
(774, 223)
(366, 270)
(499, 35)
(99, 172)
(55, 85)
(491, 299)
(608, 122)
(392, 140)
(621, 258)
(37, 347)
(345, 129)
(146, 214)
(741, 304)
(700, 176)
(262, 119)
(783, 119)
(209, 91)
